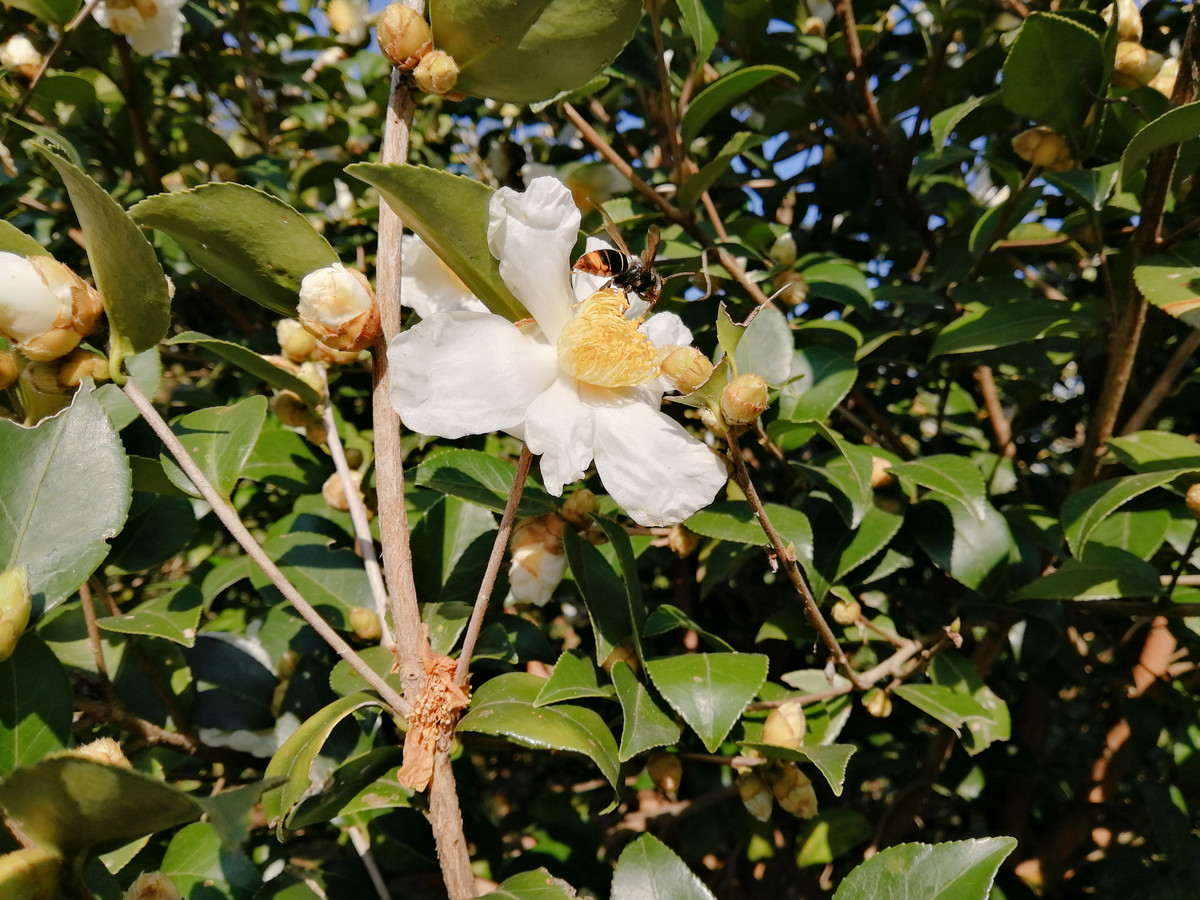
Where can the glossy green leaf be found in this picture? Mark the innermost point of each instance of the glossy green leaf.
(245, 238)
(294, 760)
(725, 92)
(64, 492)
(710, 690)
(648, 870)
(445, 621)
(830, 759)
(943, 124)
(124, 266)
(232, 812)
(838, 280)
(536, 885)
(954, 476)
(847, 477)
(282, 457)
(1156, 451)
(1014, 320)
(1175, 125)
(1091, 188)
(332, 580)
(172, 616)
(991, 722)
(767, 346)
(345, 681)
(574, 677)
(963, 870)
(219, 440)
(451, 545)
(1085, 510)
(646, 725)
(450, 214)
(702, 20)
(876, 529)
(820, 379)
(505, 707)
(546, 47)
(249, 361)
(971, 549)
(1140, 532)
(830, 835)
(667, 618)
(201, 868)
(35, 705)
(621, 555)
(1105, 576)
(713, 170)
(1171, 280)
(14, 240)
(606, 596)
(366, 783)
(146, 369)
(60, 12)
(479, 478)
(78, 806)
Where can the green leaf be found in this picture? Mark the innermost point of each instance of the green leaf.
(1012, 320)
(284, 458)
(1171, 280)
(450, 214)
(505, 707)
(365, 783)
(1105, 576)
(231, 812)
(451, 545)
(480, 478)
(963, 870)
(848, 477)
(713, 170)
(245, 238)
(146, 369)
(532, 52)
(830, 759)
(201, 868)
(1086, 509)
(873, 533)
(734, 520)
(124, 266)
(830, 835)
(60, 12)
(65, 489)
(667, 618)
(535, 885)
(648, 870)
(172, 616)
(633, 606)
(646, 725)
(14, 240)
(969, 548)
(219, 440)
(294, 760)
(1090, 188)
(725, 92)
(445, 621)
(953, 476)
(838, 280)
(332, 580)
(573, 678)
(606, 596)
(1156, 451)
(249, 361)
(78, 807)
(710, 690)
(1174, 126)
(991, 722)
(35, 705)
(1054, 71)
(942, 125)
(820, 379)
(767, 346)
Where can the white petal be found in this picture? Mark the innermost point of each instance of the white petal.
(652, 467)
(428, 286)
(28, 308)
(467, 373)
(666, 329)
(531, 234)
(163, 31)
(559, 428)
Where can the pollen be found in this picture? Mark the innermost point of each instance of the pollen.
(601, 347)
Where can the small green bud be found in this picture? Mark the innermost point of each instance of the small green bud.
(404, 35)
(744, 399)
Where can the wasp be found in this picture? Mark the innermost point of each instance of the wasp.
(627, 272)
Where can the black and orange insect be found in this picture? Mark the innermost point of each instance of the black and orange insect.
(625, 271)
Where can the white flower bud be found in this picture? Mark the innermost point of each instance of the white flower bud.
(295, 340)
(8, 370)
(1135, 65)
(744, 399)
(436, 73)
(19, 53)
(1044, 147)
(104, 750)
(1164, 81)
(45, 308)
(785, 726)
(348, 18)
(334, 491)
(1129, 24)
(403, 35)
(538, 562)
(152, 886)
(578, 508)
(686, 368)
(15, 606)
(338, 307)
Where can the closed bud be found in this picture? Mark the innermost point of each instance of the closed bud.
(404, 35)
(1129, 20)
(19, 53)
(623, 652)
(15, 605)
(579, 507)
(8, 370)
(879, 704)
(364, 622)
(30, 874)
(104, 750)
(327, 354)
(436, 73)
(1164, 81)
(744, 399)
(348, 19)
(1193, 499)
(686, 368)
(152, 886)
(1135, 65)
(45, 308)
(80, 364)
(291, 410)
(682, 541)
(880, 476)
(793, 790)
(295, 341)
(814, 27)
(1044, 147)
(755, 794)
(845, 612)
(334, 490)
(538, 562)
(785, 726)
(783, 251)
(667, 771)
(790, 287)
(338, 307)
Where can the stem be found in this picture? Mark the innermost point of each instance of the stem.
(991, 402)
(1163, 384)
(93, 631)
(229, 518)
(664, 81)
(493, 568)
(133, 99)
(445, 816)
(362, 846)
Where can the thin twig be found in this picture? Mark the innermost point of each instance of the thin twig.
(229, 518)
(46, 61)
(93, 631)
(362, 846)
(991, 402)
(670, 124)
(1163, 384)
(493, 567)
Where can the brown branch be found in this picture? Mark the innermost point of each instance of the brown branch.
(1163, 384)
(670, 125)
(46, 61)
(991, 402)
(133, 99)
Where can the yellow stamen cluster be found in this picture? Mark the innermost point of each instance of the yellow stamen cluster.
(603, 348)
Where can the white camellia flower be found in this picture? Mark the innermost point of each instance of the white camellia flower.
(349, 19)
(151, 25)
(428, 285)
(538, 562)
(579, 383)
(44, 307)
(19, 53)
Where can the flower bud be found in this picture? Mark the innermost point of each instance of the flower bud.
(8, 370)
(327, 354)
(15, 605)
(152, 886)
(755, 794)
(436, 73)
(404, 35)
(686, 368)
(845, 612)
(667, 771)
(814, 27)
(880, 476)
(785, 726)
(45, 308)
(104, 750)
(623, 652)
(1044, 147)
(578, 508)
(783, 251)
(682, 541)
(291, 410)
(790, 287)
(288, 660)
(338, 306)
(878, 703)
(538, 562)
(794, 791)
(1164, 81)
(712, 421)
(1129, 21)
(1192, 499)
(334, 491)
(19, 53)
(80, 364)
(295, 341)
(364, 622)
(1135, 65)
(30, 874)
(744, 399)
(348, 19)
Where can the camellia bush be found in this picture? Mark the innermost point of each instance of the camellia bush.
(599, 448)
